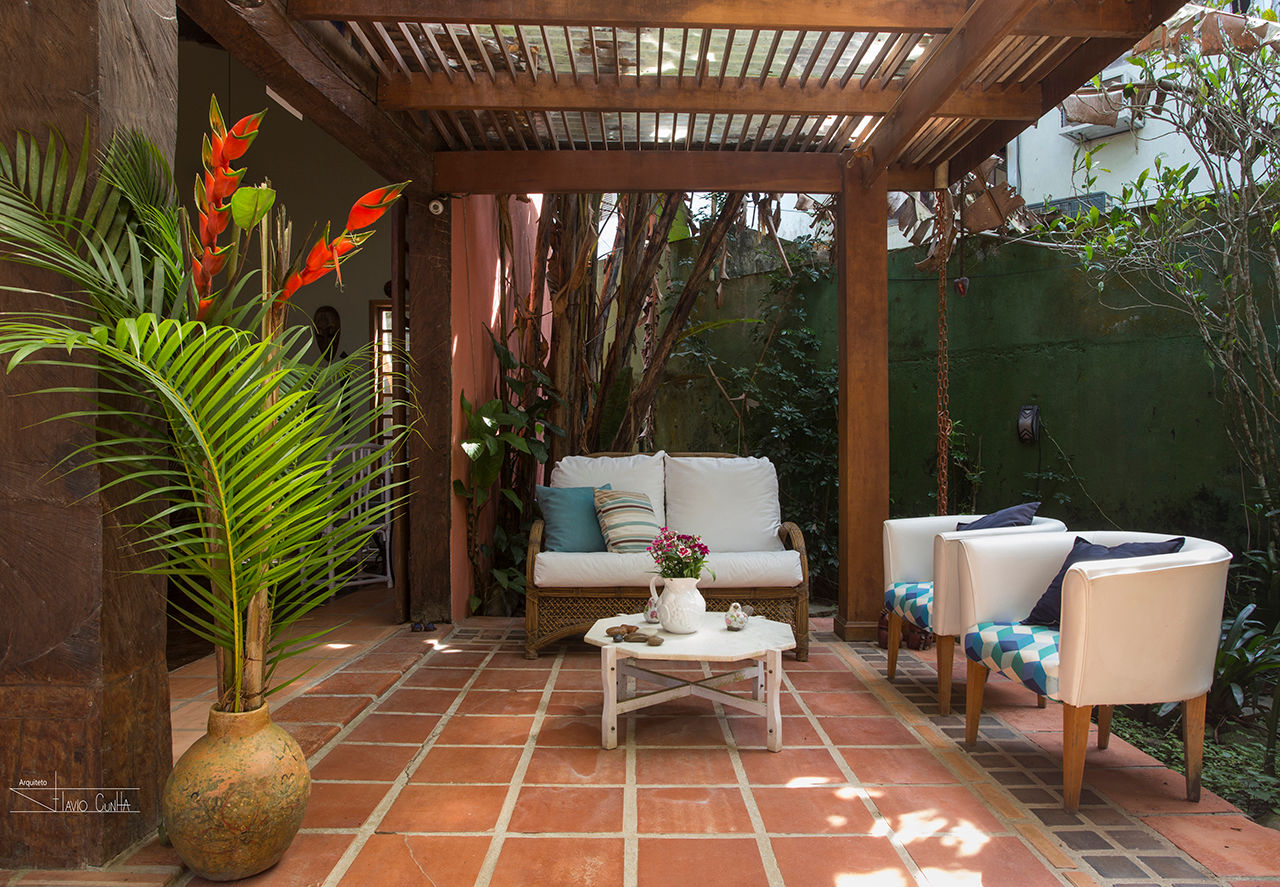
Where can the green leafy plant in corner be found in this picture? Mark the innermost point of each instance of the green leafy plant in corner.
(505, 442)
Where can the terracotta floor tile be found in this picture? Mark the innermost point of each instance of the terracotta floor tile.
(869, 731)
(439, 678)
(499, 702)
(917, 811)
(512, 679)
(418, 700)
(517, 660)
(574, 731)
(184, 739)
(370, 763)
(1145, 790)
(468, 764)
(190, 687)
(548, 808)
(371, 683)
(691, 810)
(344, 805)
(453, 658)
(311, 737)
(838, 681)
(486, 730)
(980, 860)
(1230, 845)
(445, 808)
(534, 862)
(416, 860)
(840, 861)
(1030, 719)
(151, 853)
(896, 766)
(322, 709)
(408, 642)
(378, 727)
(379, 661)
(579, 679)
(824, 703)
(818, 661)
(791, 766)
(652, 729)
(577, 766)
(815, 810)
(666, 861)
(684, 766)
(796, 733)
(1118, 753)
(313, 667)
(307, 862)
(576, 702)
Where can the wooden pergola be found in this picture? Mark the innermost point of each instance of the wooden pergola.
(849, 97)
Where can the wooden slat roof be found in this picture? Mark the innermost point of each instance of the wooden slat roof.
(505, 95)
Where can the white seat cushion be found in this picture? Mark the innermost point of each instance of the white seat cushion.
(731, 503)
(639, 473)
(604, 569)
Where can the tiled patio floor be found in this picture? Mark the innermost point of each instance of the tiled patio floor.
(448, 759)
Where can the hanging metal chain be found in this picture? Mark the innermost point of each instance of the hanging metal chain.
(944, 384)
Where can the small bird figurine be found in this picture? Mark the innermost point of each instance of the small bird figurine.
(736, 617)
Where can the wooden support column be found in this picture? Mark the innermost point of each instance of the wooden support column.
(862, 241)
(400, 529)
(431, 377)
(84, 693)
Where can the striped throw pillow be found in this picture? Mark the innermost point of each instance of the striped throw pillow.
(626, 520)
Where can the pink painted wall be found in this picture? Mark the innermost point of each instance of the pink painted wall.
(476, 300)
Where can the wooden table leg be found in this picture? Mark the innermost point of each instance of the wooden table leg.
(609, 677)
(773, 706)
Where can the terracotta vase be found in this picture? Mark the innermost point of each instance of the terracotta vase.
(681, 605)
(236, 798)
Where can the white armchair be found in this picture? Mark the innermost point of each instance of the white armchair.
(920, 582)
(1133, 631)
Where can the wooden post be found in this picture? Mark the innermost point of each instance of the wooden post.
(431, 377)
(83, 681)
(862, 241)
(400, 527)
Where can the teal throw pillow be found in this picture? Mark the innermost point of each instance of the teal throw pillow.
(570, 516)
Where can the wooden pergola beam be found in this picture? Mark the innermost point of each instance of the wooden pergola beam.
(1080, 18)
(549, 172)
(650, 95)
(984, 25)
(290, 60)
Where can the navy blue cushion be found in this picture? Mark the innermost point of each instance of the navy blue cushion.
(1013, 516)
(570, 516)
(1048, 610)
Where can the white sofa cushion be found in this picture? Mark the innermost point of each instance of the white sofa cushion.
(641, 473)
(603, 569)
(731, 503)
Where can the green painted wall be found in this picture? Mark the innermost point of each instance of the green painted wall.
(1125, 392)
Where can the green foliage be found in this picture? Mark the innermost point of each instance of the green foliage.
(1248, 662)
(506, 438)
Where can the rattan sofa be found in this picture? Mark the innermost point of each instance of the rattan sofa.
(554, 611)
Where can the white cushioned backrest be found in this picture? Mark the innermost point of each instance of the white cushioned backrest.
(641, 473)
(732, 503)
(1144, 629)
(949, 616)
(908, 546)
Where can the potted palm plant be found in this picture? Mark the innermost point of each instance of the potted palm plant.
(210, 415)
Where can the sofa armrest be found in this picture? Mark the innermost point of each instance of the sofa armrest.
(793, 539)
(535, 545)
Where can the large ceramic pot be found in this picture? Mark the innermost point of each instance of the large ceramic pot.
(236, 798)
(681, 605)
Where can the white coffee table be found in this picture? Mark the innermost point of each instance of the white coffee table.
(761, 641)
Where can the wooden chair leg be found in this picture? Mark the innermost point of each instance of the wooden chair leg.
(945, 650)
(1104, 725)
(1193, 741)
(895, 639)
(1075, 739)
(975, 683)
(1041, 700)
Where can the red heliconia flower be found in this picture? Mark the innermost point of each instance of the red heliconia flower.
(204, 309)
(240, 137)
(212, 224)
(369, 208)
